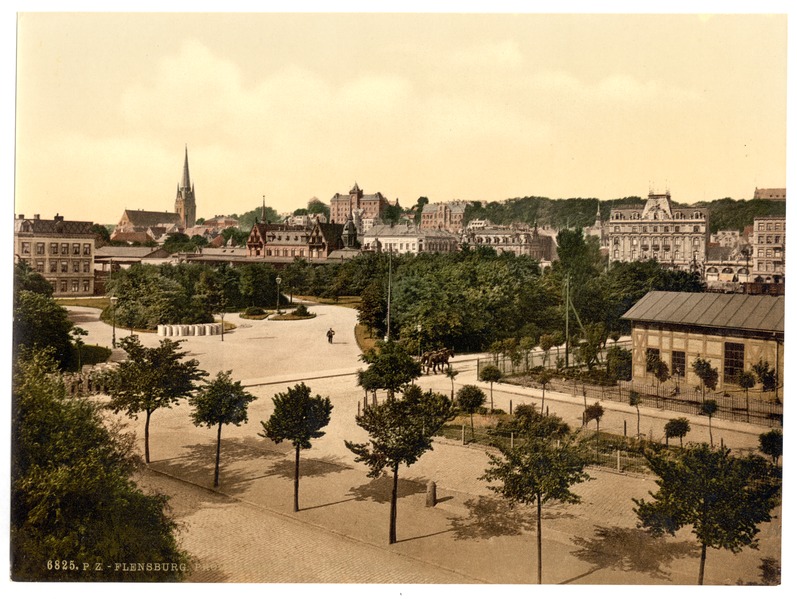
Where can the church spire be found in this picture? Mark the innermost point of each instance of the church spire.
(186, 178)
(263, 211)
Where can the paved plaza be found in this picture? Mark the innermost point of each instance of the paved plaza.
(246, 531)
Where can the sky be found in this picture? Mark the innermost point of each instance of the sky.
(484, 106)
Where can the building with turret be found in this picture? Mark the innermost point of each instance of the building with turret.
(362, 206)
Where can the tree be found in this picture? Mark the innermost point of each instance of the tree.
(451, 373)
(298, 417)
(766, 376)
(618, 363)
(660, 372)
(400, 431)
(151, 378)
(546, 343)
(72, 496)
(390, 367)
(39, 322)
(220, 402)
(708, 375)
(27, 279)
(490, 374)
(595, 412)
(469, 399)
(676, 427)
(771, 444)
(634, 400)
(722, 498)
(537, 472)
(709, 408)
(746, 380)
(77, 334)
(543, 379)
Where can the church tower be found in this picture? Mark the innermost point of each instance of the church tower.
(185, 204)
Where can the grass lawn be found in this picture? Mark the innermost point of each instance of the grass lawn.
(100, 302)
(363, 337)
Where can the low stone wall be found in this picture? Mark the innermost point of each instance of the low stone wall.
(188, 330)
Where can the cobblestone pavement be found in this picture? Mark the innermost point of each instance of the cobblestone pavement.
(248, 532)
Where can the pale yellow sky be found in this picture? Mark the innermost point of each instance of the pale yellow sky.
(477, 107)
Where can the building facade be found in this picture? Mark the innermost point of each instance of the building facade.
(675, 237)
(356, 204)
(62, 251)
(448, 216)
(770, 193)
(732, 331)
(408, 238)
(768, 243)
(518, 239)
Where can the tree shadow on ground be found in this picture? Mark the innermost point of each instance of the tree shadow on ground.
(307, 467)
(379, 489)
(240, 464)
(630, 550)
(490, 517)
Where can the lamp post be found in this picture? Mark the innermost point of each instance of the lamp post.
(113, 320)
(418, 328)
(279, 280)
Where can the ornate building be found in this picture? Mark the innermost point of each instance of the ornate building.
(444, 215)
(768, 242)
(407, 238)
(185, 203)
(517, 239)
(362, 207)
(676, 237)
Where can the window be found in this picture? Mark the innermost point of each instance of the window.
(53, 265)
(760, 239)
(696, 229)
(76, 249)
(651, 356)
(86, 249)
(63, 286)
(85, 285)
(769, 226)
(777, 238)
(769, 238)
(26, 247)
(86, 266)
(734, 360)
(64, 250)
(75, 266)
(760, 226)
(39, 265)
(40, 248)
(64, 267)
(75, 286)
(677, 228)
(679, 363)
(53, 248)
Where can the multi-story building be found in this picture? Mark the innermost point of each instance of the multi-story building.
(444, 215)
(768, 242)
(62, 251)
(770, 193)
(676, 237)
(408, 238)
(518, 239)
(356, 205)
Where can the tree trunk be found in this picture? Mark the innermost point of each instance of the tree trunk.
(539, 539)
(393, 505)
(296, 482)
(218, 455)
(472, 432)
(542, 407)
(146, 438)
(491, 396)
(710, 433)
(702, 563)
(638, 432)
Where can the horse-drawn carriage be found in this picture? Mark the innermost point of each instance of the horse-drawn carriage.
(432, 360)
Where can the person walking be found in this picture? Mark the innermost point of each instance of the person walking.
(330, 335)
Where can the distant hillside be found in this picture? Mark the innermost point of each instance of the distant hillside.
(725, 213)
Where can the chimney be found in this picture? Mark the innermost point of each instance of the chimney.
(21, 217)
(58, 218)
(36, 216)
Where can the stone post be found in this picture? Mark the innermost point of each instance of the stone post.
(431, 494)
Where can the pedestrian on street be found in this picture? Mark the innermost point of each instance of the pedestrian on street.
(330, 335)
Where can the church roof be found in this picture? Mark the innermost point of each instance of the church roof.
(147, 218)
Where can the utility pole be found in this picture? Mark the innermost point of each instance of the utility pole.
(389, 282)
(567, 320)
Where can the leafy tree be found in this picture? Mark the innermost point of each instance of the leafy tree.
(390, 367)
(451, 373)
(316, 206)
(746, 380)
(151, 378)
(39, 322)
(546, 343)
(220, 402)
(766, 375)
(490, 374)
(298, 417)
(708, 375)
(247, 220)
(27, 279)
(660, 372)
(400, 431)
(676, 427)
(391, 214)
(618, 363)
(530, 423)
(469, 399)
(595, 412)
(720, 497)
(101, 234)
(709, 408)
(634, 400)
(771, 444)
(544, 378)
(372, 311)
(537, 472)
(72, 497)
(422, 201)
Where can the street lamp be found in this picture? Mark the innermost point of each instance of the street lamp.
(418, 328)
(113, 320)
(279, 280)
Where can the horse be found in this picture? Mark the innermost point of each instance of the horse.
(437, 358)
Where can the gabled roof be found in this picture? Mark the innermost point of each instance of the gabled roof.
(148, 218)
(713, 310)
(57, 226)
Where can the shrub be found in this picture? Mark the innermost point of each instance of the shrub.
(254, 311)
(301, 310)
